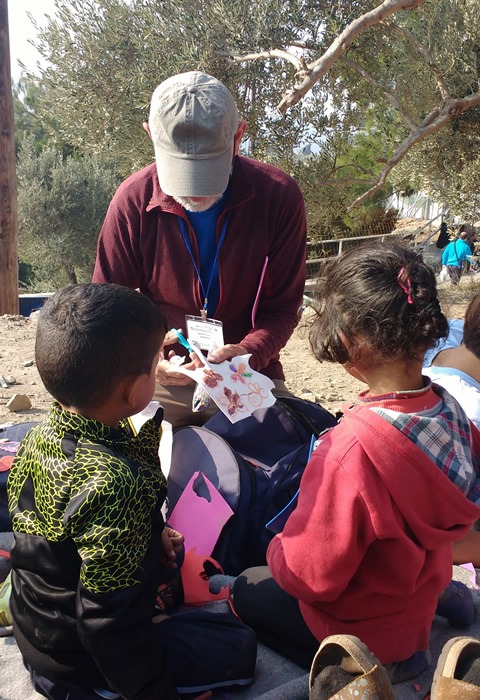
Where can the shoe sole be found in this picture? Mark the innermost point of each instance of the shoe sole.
(446, 666)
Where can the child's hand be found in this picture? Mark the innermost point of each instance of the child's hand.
(172, 545)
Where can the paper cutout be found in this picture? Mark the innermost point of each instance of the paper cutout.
(165, 450)
(137, 420)
(9, 446)
(200, 514)
(196, 586)
(471, 568)
(6, 463)
(234, 386)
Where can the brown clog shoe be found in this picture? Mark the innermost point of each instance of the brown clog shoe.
(345, 669)
(457, 676)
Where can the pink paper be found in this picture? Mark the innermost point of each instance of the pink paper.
(471, 568)
(200, 514)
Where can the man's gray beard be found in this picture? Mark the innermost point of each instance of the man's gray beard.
(206, 203)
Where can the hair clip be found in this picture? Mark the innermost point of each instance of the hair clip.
(407, 288)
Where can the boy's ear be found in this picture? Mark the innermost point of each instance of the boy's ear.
(132, 390)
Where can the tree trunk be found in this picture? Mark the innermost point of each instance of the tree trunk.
(8, 191)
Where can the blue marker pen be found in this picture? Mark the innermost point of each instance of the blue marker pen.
(191, 348)
(182, 340)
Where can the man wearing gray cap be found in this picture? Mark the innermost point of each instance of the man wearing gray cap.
(215, 239)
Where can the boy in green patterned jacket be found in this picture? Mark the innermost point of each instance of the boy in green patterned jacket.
(85, 496)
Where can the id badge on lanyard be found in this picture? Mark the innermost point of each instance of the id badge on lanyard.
(206, 333)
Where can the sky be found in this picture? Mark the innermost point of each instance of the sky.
(21, 30)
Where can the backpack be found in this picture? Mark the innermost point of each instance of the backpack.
(10, 436)
(256, 464)
(270, 434)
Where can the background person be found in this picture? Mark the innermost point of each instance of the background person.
(443, 238)
(208, 233)
(456, 366)
(454, 255)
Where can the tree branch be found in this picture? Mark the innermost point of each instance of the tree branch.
(317, 69)
(433, 122)
(355, 166)
(390, 97)
(297, 61)
(309, 74)
(441, 84)
(344, 181)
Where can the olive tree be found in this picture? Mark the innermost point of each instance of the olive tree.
(61, 205)
(370, 88)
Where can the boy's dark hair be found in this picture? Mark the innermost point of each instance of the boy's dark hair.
(91, 336)
(471, 326)
(381, 294)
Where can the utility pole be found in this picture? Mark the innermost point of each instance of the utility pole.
(8, 184)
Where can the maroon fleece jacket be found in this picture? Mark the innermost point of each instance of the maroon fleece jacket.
(261, 263)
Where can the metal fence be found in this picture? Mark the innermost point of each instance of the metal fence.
(421, 239)
(316, 252)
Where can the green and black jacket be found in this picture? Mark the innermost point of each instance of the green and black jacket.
(85, 503)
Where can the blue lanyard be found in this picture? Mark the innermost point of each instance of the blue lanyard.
(188, 245)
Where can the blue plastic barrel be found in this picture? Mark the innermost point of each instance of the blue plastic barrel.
(32, 302)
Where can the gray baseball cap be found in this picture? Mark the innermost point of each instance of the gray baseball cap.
(193, 120)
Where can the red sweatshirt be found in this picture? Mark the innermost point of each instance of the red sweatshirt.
(261, 263)
(368, 548)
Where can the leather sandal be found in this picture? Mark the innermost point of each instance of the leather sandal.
(457, 676)
(345, 669)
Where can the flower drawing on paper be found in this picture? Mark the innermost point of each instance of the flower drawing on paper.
(258, 394)
(239, 374)
(234, 400)
(212, 378)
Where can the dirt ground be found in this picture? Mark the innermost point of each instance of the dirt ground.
(326, 383)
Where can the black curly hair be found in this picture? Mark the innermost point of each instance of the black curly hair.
(382, 295)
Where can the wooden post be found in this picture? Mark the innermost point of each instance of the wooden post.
(8, 186)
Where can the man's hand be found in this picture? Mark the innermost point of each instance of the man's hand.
(226, 352)
(166, 373)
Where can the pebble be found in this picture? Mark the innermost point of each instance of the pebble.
(309, 396)
(19, 402)
(27, 363)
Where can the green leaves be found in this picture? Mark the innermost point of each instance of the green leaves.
(105, 57)
(61, 205)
